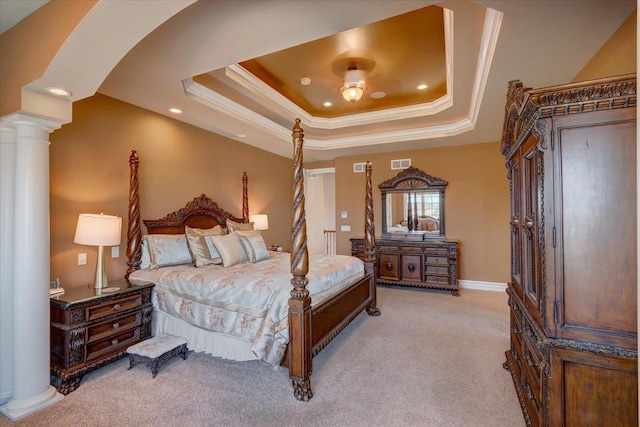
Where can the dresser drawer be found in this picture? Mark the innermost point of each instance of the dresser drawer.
(437, 269)
(113, 307)
(437, 279)
(389, 264)
(112, 344)
(412, 267)
(437, 260)
(112, 327)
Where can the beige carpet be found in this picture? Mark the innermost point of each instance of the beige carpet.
(430, 359)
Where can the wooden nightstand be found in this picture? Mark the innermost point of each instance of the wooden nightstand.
(90, 329)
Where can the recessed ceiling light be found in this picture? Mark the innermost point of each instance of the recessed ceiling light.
(422, 86)
(58, 91)
(378, 95)
(305, 81)
(241, 135)
(175, 110)
(327, 104)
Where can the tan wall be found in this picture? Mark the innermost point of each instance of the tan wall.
(617, 56)
(41, 34)
(476, 202)
(90, 174)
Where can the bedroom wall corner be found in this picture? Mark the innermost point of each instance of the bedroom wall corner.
(89, 173)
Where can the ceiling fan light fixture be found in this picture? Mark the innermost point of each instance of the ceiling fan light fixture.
(353, 86)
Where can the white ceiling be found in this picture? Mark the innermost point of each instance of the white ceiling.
(540, 42)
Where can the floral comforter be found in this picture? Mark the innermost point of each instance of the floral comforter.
(246, 301)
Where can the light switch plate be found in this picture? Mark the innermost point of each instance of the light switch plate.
(115, 251)
(82, 259)
(343, 214)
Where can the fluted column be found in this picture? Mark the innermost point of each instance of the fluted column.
(31, 348)
(7, 201)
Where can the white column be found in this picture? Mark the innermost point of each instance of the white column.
(31, 377)
(7, 199)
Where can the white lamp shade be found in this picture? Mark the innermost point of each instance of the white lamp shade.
(98, 230)
(260, 221)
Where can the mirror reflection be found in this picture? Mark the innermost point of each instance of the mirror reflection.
(418, 211)
(413, 206)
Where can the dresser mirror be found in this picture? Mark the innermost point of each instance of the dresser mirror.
(413, 206)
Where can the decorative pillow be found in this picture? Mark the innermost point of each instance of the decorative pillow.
(254, 246)
(229, 248)
(145, 259)
(237, 226)
(168, 249)
(200, 252)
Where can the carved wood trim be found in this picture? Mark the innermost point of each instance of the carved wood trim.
(201, 205)
(245, 197)
(412, 179)
(604, 94)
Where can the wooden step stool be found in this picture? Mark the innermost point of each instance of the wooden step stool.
(155, 351)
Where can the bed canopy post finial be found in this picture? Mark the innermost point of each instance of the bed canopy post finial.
(134, 234)
(370, 241)
(245, 197)
(300, 302)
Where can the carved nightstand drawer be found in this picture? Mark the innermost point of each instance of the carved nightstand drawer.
(112, 344)
(113, 307)
(90, 329)
(437, 279)
(113, 326)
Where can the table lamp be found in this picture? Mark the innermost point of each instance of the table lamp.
(98, 230)
(260, 221)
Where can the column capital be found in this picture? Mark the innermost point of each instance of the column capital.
(16, 120)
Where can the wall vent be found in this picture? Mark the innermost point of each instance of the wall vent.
(359, 167)
(400, 163)
(312, 175)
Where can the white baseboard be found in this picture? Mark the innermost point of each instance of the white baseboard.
(482, 286)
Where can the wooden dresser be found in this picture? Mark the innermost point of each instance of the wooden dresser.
(90, 329)
(571, 160)
(417, 263)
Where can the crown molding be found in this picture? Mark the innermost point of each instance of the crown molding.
(491, 30)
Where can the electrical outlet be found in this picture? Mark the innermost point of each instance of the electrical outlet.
(115, 251)
(82, 259)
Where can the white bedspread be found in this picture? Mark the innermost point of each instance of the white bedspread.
(247, 301)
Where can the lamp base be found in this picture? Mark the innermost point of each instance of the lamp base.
(100, 281)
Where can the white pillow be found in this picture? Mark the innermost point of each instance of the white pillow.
(145, 258)
(201, 253)
(237, 226)
(254, 246)
(229, 248)
(168, 249)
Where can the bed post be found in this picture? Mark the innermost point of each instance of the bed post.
(245, 197)
(134, 234)
(300, 302)
(370, 243)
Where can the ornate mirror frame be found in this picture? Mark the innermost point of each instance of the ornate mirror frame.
(413, 180)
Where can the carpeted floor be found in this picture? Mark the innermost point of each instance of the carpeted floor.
(430, 359)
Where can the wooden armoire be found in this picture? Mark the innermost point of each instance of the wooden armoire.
(571, 157)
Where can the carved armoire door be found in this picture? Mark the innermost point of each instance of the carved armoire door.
(515, 181)
(531, 163)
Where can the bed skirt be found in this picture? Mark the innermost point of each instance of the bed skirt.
(202, 340)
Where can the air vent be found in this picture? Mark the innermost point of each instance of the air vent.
(359, 167)
(312, 175)
(400, 163)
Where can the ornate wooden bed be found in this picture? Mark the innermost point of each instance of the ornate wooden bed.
(310, 328)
